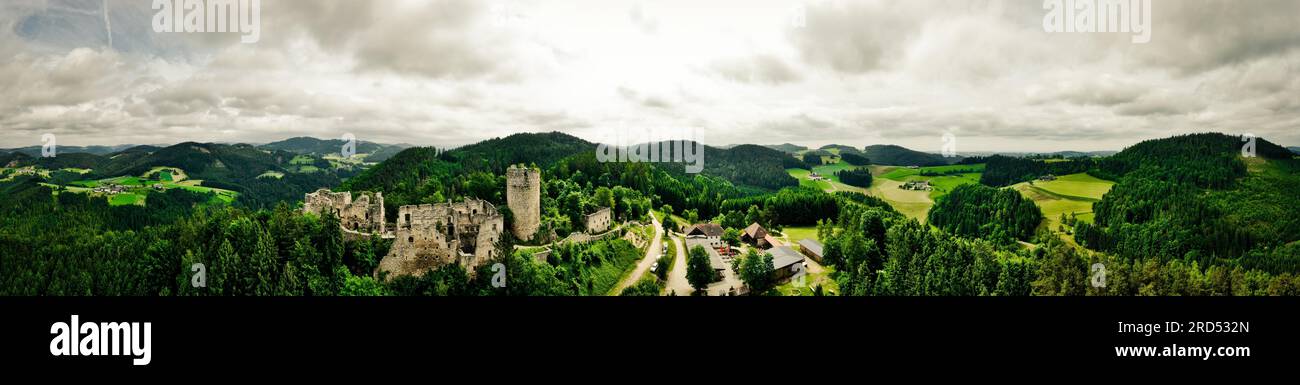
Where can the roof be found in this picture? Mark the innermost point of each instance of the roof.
(755, 231)
(784, 256)
(812, 246)
(715, 259)
(706, 229)
(771, 241)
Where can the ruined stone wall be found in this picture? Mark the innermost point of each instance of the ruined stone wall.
(429, 236)
(523, 196)
(365, 214)
(599, 221)
(322, 199)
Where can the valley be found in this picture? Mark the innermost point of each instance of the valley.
(750, 203)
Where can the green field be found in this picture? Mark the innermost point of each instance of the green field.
(802, 176)
(125, 181)
(904, 174)
(1077, 186)
(796, 234)
(138, 188)
(942, 185)
(85, 183)
(1072, 195)
(301, 159)
(165, 174)
(829, 170)
(914, 204)
(124, 199)
(939, 185)
(272, 174)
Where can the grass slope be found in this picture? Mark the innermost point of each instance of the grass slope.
(1072, 195)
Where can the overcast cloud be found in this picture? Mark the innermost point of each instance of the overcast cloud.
(447, 73)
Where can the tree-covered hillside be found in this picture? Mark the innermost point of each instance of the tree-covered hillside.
(749, 165)
(842, 149)
(898, 156)
(1195, 198)
(786, 147)
(1001, 171)
(999, 215)
(321, 147)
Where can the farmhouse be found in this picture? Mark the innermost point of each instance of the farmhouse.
(787, 261)
(812, 249)
(110, 189)
(922, 185)
(715, 260)
(709, 231)
(755, 235)
(1047, 178)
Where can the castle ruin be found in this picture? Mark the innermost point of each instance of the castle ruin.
(523, 197)
(599, 221)
(363, 215)
(429, 236)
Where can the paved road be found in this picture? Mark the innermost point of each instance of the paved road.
(651, 255)
(677, 282)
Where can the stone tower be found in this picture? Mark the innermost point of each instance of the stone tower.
(523, 196)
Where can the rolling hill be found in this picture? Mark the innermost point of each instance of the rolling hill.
(234, 167)
(899, 156)
(320, 147)
(1195, 198)
(842, 148)
(35, 151)
(750, 165)
(746, 164)
(786, 147)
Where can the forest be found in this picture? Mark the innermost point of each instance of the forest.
(1002, 171)
(891, 155)
(876, 251)
(855, 158)
(998, 215)
(858, 177)
(1192, 198)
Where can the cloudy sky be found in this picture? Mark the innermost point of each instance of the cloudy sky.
(447, 73)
